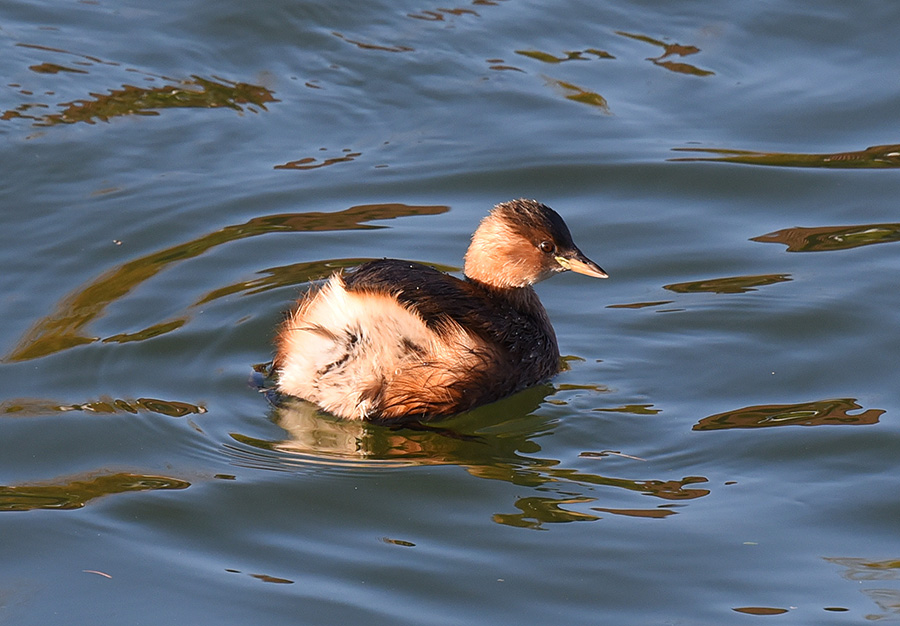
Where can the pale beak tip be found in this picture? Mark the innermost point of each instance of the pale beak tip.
(583, 265)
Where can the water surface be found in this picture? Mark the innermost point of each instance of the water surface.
(722, 447)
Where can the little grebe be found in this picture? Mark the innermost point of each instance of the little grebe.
(395, 339)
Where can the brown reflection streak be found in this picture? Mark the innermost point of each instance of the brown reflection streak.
(544, 472)
(32, 407)
(734, 284)
(665, 489)
(131, 100)
(148, 333)
(603, 454)
(821, 413)
(866, 569)
(575, 55)
(370, 46)
(827, 238)
(639, 305)
(888, 600)
(282, 277)
(498, 65)
(577, 94)
(75, 494)
(17, 113)
(61, 51)
(573, 387)
(438, 15)
(634, 409)
(53, 68)
(311, 163)
(670, 49)
(398, 542)
(431, 16)
(681, 68)
(871, 157)
(645, 513)
(861, 571)
(63, 329)
(760, 610)
(539, 509)
(264, 577)
(272, 579)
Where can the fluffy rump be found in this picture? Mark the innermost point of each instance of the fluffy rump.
(361, 354)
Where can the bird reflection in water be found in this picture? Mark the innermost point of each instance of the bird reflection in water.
(497, 441)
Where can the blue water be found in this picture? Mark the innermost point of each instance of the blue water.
(722, 447)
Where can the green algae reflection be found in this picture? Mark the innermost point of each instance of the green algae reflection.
(75, 494)
(64, 328)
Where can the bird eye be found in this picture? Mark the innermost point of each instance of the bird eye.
(547, 247)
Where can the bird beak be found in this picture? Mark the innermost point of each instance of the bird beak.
(581, 264)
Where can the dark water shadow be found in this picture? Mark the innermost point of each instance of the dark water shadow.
(495, 442)
(872, 157)
(75, 493)
(819, 413)
(830, 238)
(65, 327)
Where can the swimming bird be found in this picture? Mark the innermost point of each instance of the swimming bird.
(395, 340)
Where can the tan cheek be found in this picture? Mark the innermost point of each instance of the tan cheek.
(523, 264)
